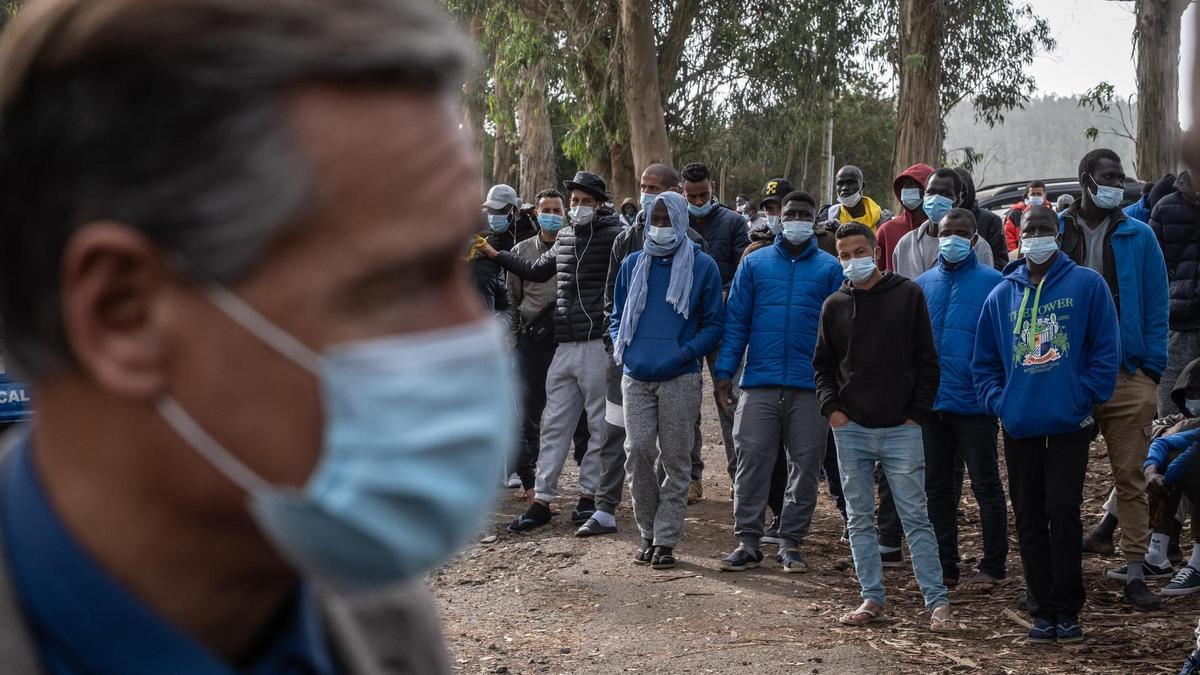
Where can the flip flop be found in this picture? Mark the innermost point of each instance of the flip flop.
(947, 625)
(980, 583)
(853, 618)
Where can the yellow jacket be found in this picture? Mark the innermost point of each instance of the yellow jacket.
(870, 218)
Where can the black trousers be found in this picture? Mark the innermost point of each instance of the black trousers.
(833, 476)
(950, 441)
(1045, 482)
(534, 357)
(891, 530)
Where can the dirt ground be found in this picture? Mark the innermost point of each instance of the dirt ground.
(547, 602)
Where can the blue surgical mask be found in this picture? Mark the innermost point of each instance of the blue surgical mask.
(937, 206)
(581, 215)
(700, 211)
(550, 222)
(417, 429)
(1193, 407)
(910, 198)
(858, 270)
(1107, 197)
(1036, 200)
(497, 223)
(1039, 249)
(774, 224)
(647, 201)
(797, 231)
(663, 236)
(954, 248)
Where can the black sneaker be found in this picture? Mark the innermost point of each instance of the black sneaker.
(1068, 629)
(537, 515)
(1043, 632)
(1184, 583)
(771, 536)
(1151, 572)
(644, 553)
(663, 558)
(1141, 597)
(741, 559)
(892, 558)
(1192, 665)
(791, 561)
(585, 509)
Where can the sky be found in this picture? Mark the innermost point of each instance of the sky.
(1076, 66)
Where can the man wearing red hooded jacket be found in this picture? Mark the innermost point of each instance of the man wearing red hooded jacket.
(909, 188)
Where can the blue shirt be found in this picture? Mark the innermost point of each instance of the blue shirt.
(85, 622)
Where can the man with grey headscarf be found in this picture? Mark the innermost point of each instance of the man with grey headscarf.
(668, 312)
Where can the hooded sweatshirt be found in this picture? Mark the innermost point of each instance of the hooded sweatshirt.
(890, 233)
(1045, 382)
(876, 360)
(1175, 453)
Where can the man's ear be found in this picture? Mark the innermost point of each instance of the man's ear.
(877, 254)
(113, 281)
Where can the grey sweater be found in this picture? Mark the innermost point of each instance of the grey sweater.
(917, 253)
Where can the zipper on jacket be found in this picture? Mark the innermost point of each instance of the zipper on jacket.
(787, 322)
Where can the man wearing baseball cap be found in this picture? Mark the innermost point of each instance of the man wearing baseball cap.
(576, 381)
(499, 212)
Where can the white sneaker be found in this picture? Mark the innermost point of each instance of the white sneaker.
(514, 481)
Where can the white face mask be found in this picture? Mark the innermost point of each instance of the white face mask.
(851, 200)
(1193, 407)
(582, 215)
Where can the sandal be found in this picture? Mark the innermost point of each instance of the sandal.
(942, 624)
(980, 583)
(863, 615)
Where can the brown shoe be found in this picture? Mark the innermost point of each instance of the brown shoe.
(1096, 544)
(695, 492)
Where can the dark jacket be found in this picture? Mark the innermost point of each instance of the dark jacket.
(631, 240)
(725, 231)
(876, 360)
(989, 225)
(665, 345)
(579, 263)
(489, 277)
(1137, 279)
(1176, 224)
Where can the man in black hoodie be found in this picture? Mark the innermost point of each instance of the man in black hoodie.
(877, 375)
(989, 225)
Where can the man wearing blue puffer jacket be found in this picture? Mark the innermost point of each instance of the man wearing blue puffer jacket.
(1124, 251)
(772, 317)
(667, 314)
(1047, 352)
(960, 431)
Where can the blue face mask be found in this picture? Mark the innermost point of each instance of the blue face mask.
(1039, 249)
(937, 206)
(954, 248)
(1107, 197)
(417, 430)
(663, 236)
(647, 201)
(797, 231)
(858, 270)
(774, 225)
(497, 224)
(550, 222)
(910, 198)
(700, 211)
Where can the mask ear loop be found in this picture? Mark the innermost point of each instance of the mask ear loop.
(261, 327)
(209, 448)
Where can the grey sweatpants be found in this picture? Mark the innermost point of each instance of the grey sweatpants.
(764, 417)
(612, 452)
(574, 383)
(658, 426)
(1183, 347)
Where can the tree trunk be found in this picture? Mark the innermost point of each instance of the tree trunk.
(535, 134)
(919, 131)
(504, 154)
(476, 102)
(624, 177)
(643, 100)
(1158, 28)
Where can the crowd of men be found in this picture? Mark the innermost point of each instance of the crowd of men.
(883, 353)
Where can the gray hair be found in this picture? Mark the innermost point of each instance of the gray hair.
(168, 116)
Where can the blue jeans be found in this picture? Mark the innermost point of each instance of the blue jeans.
(900, 453)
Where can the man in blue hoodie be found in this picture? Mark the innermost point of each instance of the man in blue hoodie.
(959, 431)
(1047, 351)
(667, 314)
(1125, 252)
(773, 312)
